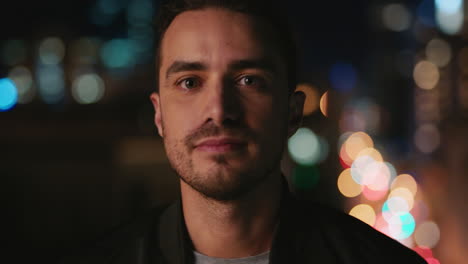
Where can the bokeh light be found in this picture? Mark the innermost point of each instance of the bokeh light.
(449, 15)
(304, 147)
(396, 17)
(401, 226)
(426, 75)
(449, 6)
(405, 181)
(394, 206)
(13, 52)
(343, 76)
(324, 104)
(405, 194)
(427, 234)
(439, 52)
(8, 94)
(51, 83)
(51, 51)
(356, 143)
(427, 138)
(118, 54)
(22, 77)
(424, 252)
(365, 213)
(347, 185)
(312, 100)
(88, 88)
(373, 195)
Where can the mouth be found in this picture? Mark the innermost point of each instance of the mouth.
(220, 145)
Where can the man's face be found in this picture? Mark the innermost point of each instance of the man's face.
(222, 108)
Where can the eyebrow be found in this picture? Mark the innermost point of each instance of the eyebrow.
(262, 63)
(181, 66)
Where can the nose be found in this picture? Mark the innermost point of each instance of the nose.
(223, 105)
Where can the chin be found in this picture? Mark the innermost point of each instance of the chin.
(224, 184)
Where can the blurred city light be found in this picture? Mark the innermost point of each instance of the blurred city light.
(324, 104)
(347, 185)
(394, 206)
(365, 213)
(427, 234)
(373, 195)
(304, 147)
(404, 194)
(13, 52)
(449, 15)
(354, 144)
(427, 138)
(343, 77)
(8, 94)
(405, 181)
(51, 51)
(312, 100)
(396, 17)
(22, 77)
(401, 226)
(88, 88)
(426, 75)
(51, 83)
(118, 54)
(439, 52)
(424, 252)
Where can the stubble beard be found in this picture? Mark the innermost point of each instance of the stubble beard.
(221, 182)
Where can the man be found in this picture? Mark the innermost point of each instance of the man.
(225, 107)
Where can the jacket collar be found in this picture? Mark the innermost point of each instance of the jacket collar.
(176, 246)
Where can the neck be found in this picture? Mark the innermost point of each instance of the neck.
(233, 229)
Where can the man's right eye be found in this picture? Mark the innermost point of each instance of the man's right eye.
(188, 83)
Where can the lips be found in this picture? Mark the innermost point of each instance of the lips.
(220, 145)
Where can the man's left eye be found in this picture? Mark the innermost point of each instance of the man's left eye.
(249, 80)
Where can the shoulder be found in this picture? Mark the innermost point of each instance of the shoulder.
(124, 241)
(354, 239)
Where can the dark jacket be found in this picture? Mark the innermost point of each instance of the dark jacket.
(306, 234)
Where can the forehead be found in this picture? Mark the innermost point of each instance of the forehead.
(217, 34)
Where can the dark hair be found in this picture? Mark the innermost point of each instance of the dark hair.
(268, 10)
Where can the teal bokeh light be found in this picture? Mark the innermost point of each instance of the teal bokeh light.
(8, 94)
(118, 53)
(304, 147)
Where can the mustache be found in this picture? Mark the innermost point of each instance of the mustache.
(212, 130)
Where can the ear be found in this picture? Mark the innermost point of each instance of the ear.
(296, 108)
(157, 112)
